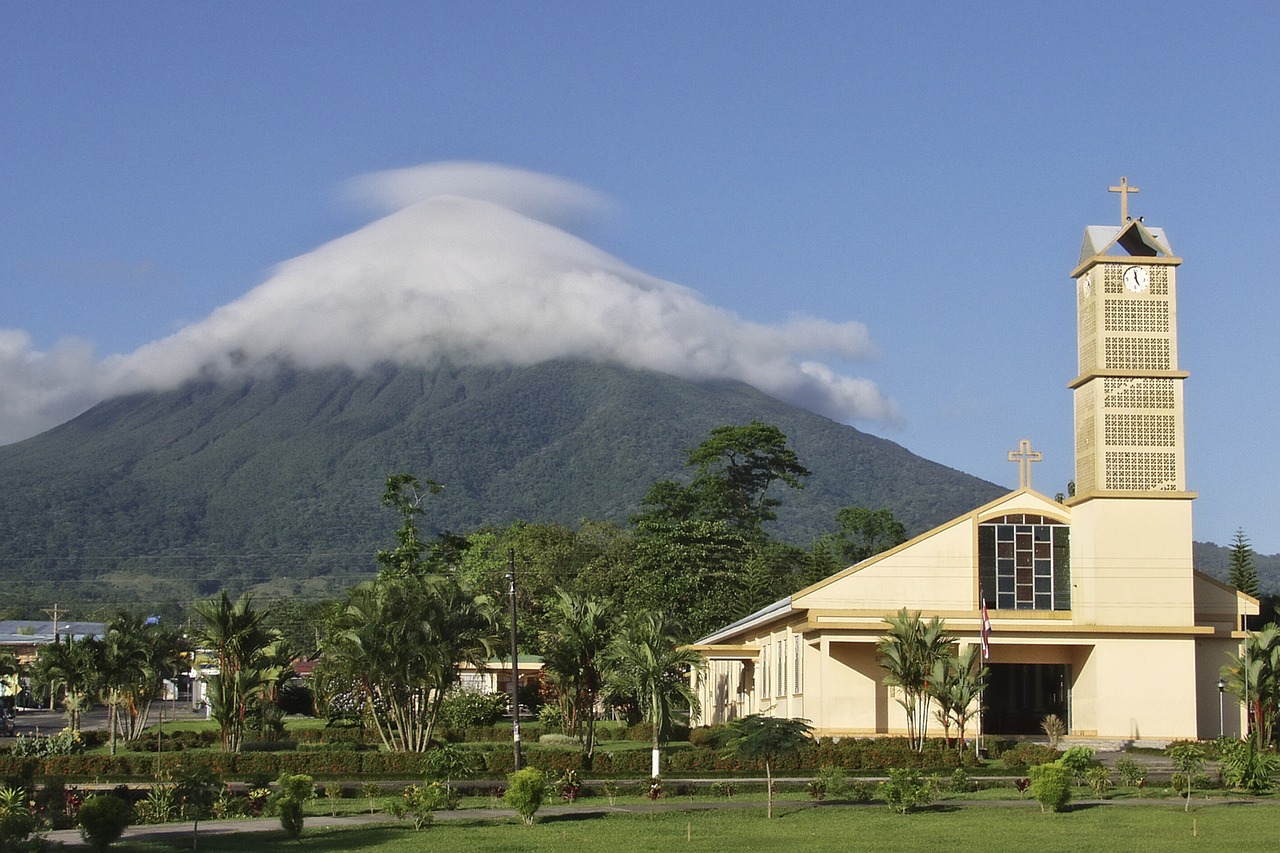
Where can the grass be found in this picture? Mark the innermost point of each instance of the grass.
(991, 828)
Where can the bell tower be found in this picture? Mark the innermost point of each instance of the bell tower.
(1131, 515)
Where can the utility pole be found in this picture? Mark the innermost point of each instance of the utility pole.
(54, 614)
(515, 661)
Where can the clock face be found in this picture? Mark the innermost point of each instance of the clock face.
(1086, 285)
(1137, 279)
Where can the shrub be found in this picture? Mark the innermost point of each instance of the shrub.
(160, 805)
(525, 792)
(17, 822)
(103, 818)
(831, 782)
(570, 784)
(448, 762)
(556, 739)
(420, 801)
(1246, 767)
(1078, 759)
(860, 792)
(551, 717)
(905, 791)
(1188, 758)
(710, 737)
(1131, 772)
(1054, 728)
(292, 791)
(460, 709)
(1051, 785)
(1098, 779)
(960, 783)
(1027, 754)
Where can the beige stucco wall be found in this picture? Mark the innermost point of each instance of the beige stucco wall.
(1131, 562)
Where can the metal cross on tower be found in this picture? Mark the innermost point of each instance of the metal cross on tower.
(1024, 456)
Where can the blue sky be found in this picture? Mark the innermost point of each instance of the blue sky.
(923, 170)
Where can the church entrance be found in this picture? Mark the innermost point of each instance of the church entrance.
(1020, 695)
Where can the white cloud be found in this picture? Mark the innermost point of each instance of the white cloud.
(542, 197)
(41, 389)
(473, 280)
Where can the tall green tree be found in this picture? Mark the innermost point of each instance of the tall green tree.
(1244, 569)
(137, 655)
(646, 664)
(737, 465)
(909, 652)
(865, 532)
(693, 542)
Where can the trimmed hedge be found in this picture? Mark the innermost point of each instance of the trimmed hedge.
(870, 754)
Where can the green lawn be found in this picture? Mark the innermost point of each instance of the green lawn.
(990, 829)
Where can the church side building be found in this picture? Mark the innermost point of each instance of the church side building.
(1097, 614)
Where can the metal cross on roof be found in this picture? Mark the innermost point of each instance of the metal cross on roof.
(1024, 456)
(1124, 189)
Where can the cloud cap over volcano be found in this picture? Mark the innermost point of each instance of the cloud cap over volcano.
(476, 281)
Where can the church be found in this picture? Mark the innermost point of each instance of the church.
(1095, 612)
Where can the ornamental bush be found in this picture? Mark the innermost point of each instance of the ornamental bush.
(292, 791)
(1051, 785)
(103, 819)
(905, 790)
(526, 790)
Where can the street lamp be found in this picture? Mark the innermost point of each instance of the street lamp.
(1222, 686)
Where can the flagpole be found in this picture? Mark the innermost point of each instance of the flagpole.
(984, 635)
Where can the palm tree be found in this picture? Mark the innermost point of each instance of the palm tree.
(73, 664)
(956, 685)
(1254, 677)
(400, 643)
(581, 628)
(647, 663)
(123, 669)
(235, 634)
(909, 651)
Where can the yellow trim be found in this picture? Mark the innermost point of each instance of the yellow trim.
(727, 650)
(1125, 260)
(1125, 494)
(1000, 633)
(1099, 373)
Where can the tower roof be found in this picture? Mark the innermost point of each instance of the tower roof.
(1133, 239)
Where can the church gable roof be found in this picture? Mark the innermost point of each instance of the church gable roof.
(1133, 239)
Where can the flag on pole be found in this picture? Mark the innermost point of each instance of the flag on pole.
(986, 631)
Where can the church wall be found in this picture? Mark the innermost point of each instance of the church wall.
(1219, 714)
(1219, 605)
(1131, 562)
(934, 573)
(1141, 690)
(854, 699)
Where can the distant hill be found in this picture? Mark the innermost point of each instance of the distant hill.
(1215, 560)
(158, 497)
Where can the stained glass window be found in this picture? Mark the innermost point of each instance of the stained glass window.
(1024, 563)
